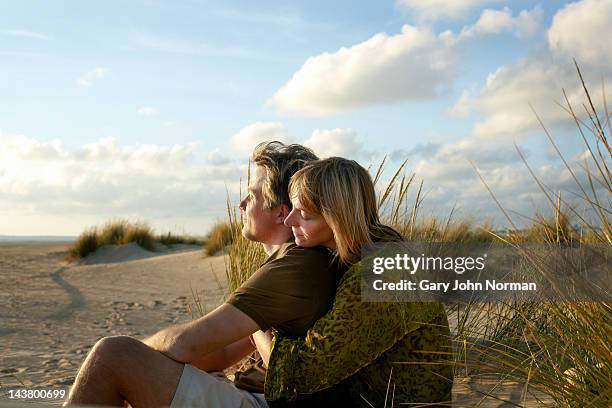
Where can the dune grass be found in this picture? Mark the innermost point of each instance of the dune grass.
(218, 238)
(120, 232)
(170, 238)
(115, 232)
(562, 350)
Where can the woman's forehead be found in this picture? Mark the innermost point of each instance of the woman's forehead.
(295, 199)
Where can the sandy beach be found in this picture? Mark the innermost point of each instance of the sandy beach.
(53, 311)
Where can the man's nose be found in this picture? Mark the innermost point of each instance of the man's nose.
(242, 204)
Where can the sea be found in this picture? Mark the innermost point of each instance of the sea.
(26, 239)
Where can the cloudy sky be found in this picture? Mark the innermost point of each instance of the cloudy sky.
(148, 109)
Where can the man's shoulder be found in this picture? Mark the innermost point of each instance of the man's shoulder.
(292, 263)
(291, 255)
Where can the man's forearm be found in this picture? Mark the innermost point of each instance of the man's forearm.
(190, 341)
(221, 359)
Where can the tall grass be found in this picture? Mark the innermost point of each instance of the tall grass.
(559, 353)
(562, 349)
(219, 237)
(245, 256)
(170, 238)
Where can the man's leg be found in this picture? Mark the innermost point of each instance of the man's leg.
(123, 368)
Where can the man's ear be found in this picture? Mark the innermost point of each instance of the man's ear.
(282, 213)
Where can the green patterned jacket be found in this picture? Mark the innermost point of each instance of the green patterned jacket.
(370, 353)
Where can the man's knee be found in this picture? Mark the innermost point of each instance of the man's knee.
(115, 349)
(113, 345)
(130, 366)
(111, 357)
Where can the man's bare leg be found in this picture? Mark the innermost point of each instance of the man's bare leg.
(122, 368)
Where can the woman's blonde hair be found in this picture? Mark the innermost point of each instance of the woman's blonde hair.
(343, 193)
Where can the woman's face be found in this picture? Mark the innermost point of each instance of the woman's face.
(309, 229)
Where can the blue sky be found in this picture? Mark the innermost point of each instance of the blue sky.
(148, 109)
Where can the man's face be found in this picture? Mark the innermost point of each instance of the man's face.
(259, 222)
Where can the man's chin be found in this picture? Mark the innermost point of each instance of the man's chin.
(248, 234)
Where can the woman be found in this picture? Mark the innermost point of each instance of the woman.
(358, 354)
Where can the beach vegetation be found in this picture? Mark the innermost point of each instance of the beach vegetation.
(171, 238)
(555, 353)
(121, 232)
(218, 238)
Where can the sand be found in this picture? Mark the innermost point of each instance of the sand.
(53, 312)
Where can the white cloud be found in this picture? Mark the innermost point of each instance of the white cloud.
(250, 136)
(28, 34)
(24, 148)
(90, 77)
(525, 24)
(509, 91)
(539, 79)
(420, 150)
(411, 65)
(142, 156)
(582, 30)
(434, 9)
(324, 142)
(105, 179)
(148, 111)
(335, 142)
(449, 180)
(218, 157)
(414, 64)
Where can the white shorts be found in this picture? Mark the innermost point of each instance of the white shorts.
(199, 389)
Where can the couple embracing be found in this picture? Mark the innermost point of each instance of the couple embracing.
(320, 345)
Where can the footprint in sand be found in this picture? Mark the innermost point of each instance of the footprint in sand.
(155, 303)
(63, 381)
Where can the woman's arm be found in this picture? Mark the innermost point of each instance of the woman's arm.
(263, 342)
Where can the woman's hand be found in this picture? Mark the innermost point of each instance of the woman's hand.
(263, 342)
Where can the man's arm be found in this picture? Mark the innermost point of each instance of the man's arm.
(226, 357)
(187, 342)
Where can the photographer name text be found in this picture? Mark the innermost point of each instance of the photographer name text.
(425, 285)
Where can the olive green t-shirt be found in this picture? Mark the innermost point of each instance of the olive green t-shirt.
(291, 290)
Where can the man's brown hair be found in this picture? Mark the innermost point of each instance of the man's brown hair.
(281, 161)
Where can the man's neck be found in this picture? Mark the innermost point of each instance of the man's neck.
(272, 245)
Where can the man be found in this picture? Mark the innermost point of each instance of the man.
(291, 290)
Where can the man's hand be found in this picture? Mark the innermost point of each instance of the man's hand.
(188, 342)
